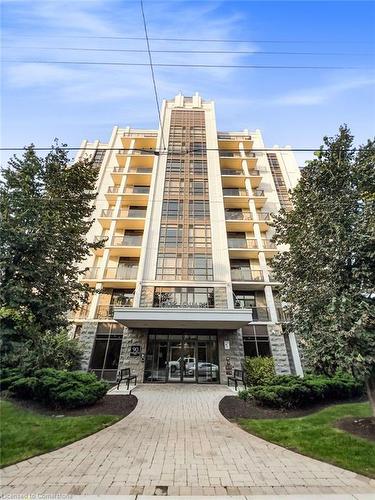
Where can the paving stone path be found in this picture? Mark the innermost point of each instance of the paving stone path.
(176, 442)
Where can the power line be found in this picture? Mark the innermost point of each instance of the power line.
(156, 152)
(176, 65)
(244, 52)
(215, 40)
(152, 74)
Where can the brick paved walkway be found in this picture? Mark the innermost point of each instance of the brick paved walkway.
(177, 442)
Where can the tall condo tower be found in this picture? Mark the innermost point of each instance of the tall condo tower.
(183, 286)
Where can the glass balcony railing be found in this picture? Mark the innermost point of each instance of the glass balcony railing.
(242, 243)
(231, 171)
(109, 212)
(237, 215)
(246, 275)
(282, 315)
(259, 313)
(258, 192)
(140, 170)
(234, 192)
(269, 245)
(227, 137)
(127, 241)
(136, 213)
(106, 311)
(140, 135)
(264, 216)
(120, 273)
(118, 170)
(236, 154)
(113, 189)
(137, 190)
(140, 151)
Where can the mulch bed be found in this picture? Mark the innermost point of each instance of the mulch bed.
(109, 405)
(362, 427)
(234, 408)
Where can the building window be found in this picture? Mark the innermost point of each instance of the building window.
(98, 157)
(256, 341)
(184, 297)
(106, 351)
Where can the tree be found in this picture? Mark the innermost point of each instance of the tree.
(46, 206)
(328, 273)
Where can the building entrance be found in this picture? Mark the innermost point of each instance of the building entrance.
(182, 356)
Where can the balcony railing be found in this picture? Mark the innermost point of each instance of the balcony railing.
(140, 170)
(246, 275)
(127, 241)
(138, 135)
(118, 170)
(235, 154)
(120, 273)
(231, 171)
(264, 216)
(143, 151)
(227, 137)
(282, 315)
(269, 245)
(242, 243)
(106, 311)
(258, 192)
(258, 313)
(254, 172)
(237, 215)
(113, 189)
(133, 213)
(137, 190)
(136, 213)
(234, 192)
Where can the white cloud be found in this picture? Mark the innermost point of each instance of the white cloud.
(320, 94)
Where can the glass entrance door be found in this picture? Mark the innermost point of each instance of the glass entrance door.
(182, 357)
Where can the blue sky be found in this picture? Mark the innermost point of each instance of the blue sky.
(294, 107)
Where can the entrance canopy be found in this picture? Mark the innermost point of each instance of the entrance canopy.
(221, 319)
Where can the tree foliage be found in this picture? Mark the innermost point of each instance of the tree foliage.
(328, 274)
(46, 205)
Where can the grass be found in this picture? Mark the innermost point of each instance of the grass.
(25, 434)
(316, 436)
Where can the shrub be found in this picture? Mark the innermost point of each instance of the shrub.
(24, 387)
(53, 350)
(60, 388)
(258, 371)
(244, 394)
(294, 392)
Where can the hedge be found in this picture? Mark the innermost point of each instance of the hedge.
(294, 392)
(59, 388)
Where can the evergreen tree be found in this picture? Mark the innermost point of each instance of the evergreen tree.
(328, 274)
(46, 206)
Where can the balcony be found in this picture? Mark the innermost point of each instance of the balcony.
(269, 247)
(107, 311)
(113, 276)
(258, 197)
(235, 198)
(140, 156)
(228, 141)
(145, 140)
(247, 275)
(133, 218)
(127, 246)
(260, 314)
(236, 154)
(282, 315)
(232, 171)
(243, 248)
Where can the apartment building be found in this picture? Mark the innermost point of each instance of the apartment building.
(183, 286)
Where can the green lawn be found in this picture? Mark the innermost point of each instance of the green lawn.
(25, 434)
(316, 436)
